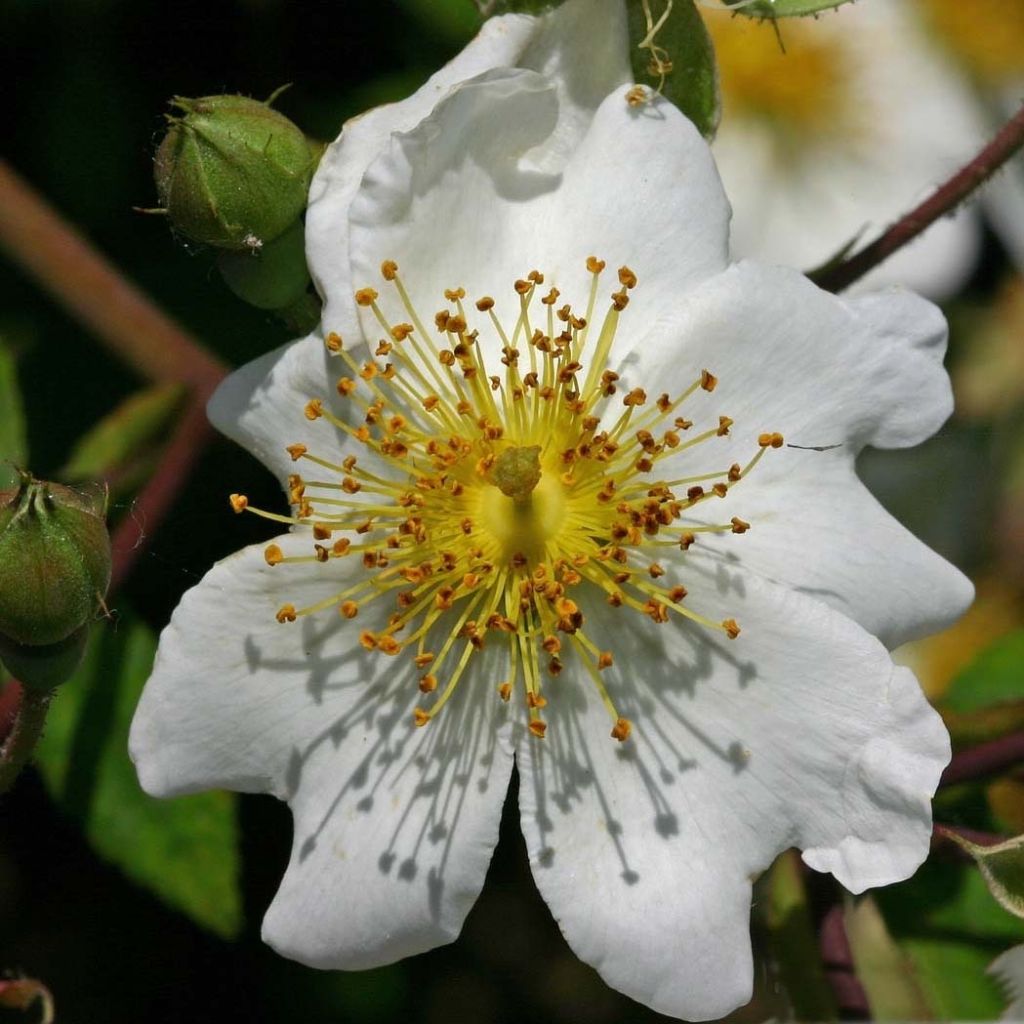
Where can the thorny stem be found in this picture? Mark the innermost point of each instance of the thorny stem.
(942, 201)
(25, 733)
(985, 759)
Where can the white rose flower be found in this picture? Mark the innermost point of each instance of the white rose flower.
(537, 500)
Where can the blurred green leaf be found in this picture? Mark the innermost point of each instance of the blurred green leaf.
(122, 446)
(888, 975)
(1002, 867)
(994, 676)
(969, 728)
(953, 974)
(675, 56)
(456, 19)
(13, 442)
(782, 8)
(185, 850)
(793, 941)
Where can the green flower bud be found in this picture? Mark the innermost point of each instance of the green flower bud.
(232, 172)
(274, 277)
(54, 561)
(44, 666)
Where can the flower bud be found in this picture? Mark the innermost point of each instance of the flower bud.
(273, 277)
(54, 562)
(232, 172)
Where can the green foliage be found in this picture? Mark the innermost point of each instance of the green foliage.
(953, 975)
(122, 446)
(785, 915)
(893, 987)
(676, 57)
(185, 850)
(993, 677)
(783, 8)
(1002, 867)
(13, 442)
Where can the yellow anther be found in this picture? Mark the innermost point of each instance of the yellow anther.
(239, 502)
(621, 730)
(732, 630)
(389, 270)
(738, 525)
(708, 380)
(594, 265)
(605, 660)
(389, 645)
(368, 639)
(286, 613)
(296, 451)
(349, 609)
(428, 683)
(538, 728)
(724, 423)
(345, 386)
(314, 409)
(505, 691)
(366, 296)
(686, 539)
(341, 545)
(627, 278)
(420, 717)
(401, 331)
(273, 554)
(333, 342)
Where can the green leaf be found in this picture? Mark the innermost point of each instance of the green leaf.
(954, 976)
(13, 443)
(993, 677)
(782, 8)
(671, 52)
(1002, 867)
(122, 446)
(889, 977)
(792, 939)
(185, 850)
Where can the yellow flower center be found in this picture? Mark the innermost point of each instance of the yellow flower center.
(790, 77)
(986, 35)
(494, 507)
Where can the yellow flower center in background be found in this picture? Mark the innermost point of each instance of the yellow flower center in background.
(986, 35)
(789, 75)
(494, 507)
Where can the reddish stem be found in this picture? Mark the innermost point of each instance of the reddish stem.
(942, 201)
(91, 289)
(984, 760)
(837, 959)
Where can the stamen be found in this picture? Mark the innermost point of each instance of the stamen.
(498, 506)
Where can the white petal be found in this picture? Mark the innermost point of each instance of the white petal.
(261, 405)
(457, 202)
(822, 372)
(1008, 970)
(394, 826)
(799, 733)
(583, 43)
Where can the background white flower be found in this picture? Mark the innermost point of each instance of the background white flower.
(802, 732)
(858, 119)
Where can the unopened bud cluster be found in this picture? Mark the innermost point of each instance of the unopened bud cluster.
(54, 572)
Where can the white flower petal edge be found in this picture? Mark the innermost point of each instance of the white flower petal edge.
(469, 211)
(394, 827)
(1008, 970)
(841, 374)
(802, 734)
(582, 45)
